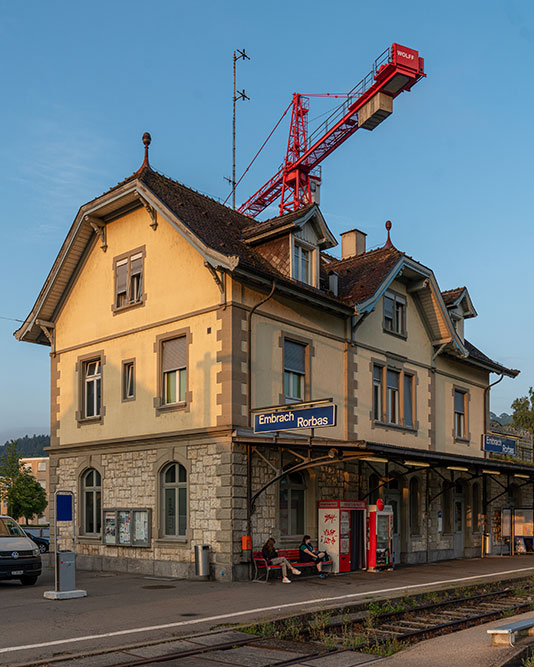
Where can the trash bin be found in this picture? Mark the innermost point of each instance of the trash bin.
(488, 544)
(66, 570)
(202, 560)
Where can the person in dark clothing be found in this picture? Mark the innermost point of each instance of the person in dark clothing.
(309, 555)
(272, 558)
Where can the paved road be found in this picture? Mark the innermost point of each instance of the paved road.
(135, 608)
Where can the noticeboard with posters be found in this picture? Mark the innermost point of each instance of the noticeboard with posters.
(127, 527)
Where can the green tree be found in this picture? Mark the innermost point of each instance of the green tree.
(9, 471)
(523, 408)
(26, 497)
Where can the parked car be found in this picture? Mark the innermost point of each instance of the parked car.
(42, 542)
(20, 558)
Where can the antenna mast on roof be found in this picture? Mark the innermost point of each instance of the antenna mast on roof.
(238, 95)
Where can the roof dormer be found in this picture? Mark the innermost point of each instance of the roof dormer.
(460, 307)
(292, 243)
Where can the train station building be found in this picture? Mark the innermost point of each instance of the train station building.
(172, 321)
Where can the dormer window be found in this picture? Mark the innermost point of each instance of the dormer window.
(302, 263)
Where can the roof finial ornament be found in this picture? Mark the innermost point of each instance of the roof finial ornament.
(388, 243)
(146, 141)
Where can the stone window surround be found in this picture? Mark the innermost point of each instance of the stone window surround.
(78, 367)
(395, 364)
(467, 400)
(309, 353)
(124, 398)
(171, 455)
(391, 293)
(88, 463)
(159, 406)
(139, 304)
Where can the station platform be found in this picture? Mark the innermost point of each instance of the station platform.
(125, 609)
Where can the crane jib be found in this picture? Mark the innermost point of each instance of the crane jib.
(371, 101)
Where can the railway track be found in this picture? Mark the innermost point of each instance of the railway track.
(403, 626)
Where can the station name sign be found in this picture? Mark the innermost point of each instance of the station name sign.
(294, 418)
(499, 445)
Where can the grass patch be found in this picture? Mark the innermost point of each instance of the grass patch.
(386, 648)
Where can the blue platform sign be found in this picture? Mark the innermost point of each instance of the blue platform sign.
(499, 445)
(63, 507)
(295, 418)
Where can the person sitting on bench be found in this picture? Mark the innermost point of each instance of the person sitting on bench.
(271, 558)
(309, 555)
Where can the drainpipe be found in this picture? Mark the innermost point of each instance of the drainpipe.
(249, 404)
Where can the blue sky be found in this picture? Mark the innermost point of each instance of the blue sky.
(452, 168)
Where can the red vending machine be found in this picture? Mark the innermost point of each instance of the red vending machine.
(341, 531)
(380, 526)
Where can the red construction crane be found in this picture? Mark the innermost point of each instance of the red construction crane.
(369, 103)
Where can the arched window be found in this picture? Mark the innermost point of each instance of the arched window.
(476, 507)
(92, 502)
(174, 501)
(415, 516)
(374, 491)
(292, 504)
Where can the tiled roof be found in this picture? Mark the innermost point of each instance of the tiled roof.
(360, 276)
(271, 224)
(476, 355)
(450, 295)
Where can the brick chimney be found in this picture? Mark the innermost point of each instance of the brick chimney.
(352, 243)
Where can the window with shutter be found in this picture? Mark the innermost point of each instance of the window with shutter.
(174, 370)
(294, 371)
(129, 279)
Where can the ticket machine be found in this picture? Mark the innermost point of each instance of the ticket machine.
(342, 533)
(380, 527)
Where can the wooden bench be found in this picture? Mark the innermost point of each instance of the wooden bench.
(261, 568)
(505, 634)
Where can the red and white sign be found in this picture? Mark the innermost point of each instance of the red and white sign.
(405, 57)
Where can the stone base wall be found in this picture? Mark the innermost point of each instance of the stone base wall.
(217, 506)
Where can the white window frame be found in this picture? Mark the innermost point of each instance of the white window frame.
(292, 377)
(297, 259)
(93, 380)
(398, 319)
(393, 399)
(460, 418)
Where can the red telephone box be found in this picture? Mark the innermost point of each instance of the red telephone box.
(380, 527)
(342, 533)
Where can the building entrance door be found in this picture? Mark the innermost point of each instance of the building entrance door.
(458, 517)
(392, 497)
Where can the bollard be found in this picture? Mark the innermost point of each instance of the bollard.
(202, 560)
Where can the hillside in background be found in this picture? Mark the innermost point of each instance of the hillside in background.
(30, 445)
(504, 418)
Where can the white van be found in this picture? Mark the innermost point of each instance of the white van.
(19, 556)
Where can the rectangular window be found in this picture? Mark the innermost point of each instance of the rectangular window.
(42, 482)
(128, 380)
(395, 313)
(42, 466)
(294, 371)
(302, 264)
(92, 388)
(129, 280)
(378, 372)
(408, 401)
(459, 414)
(392, 396)
(174, 371)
